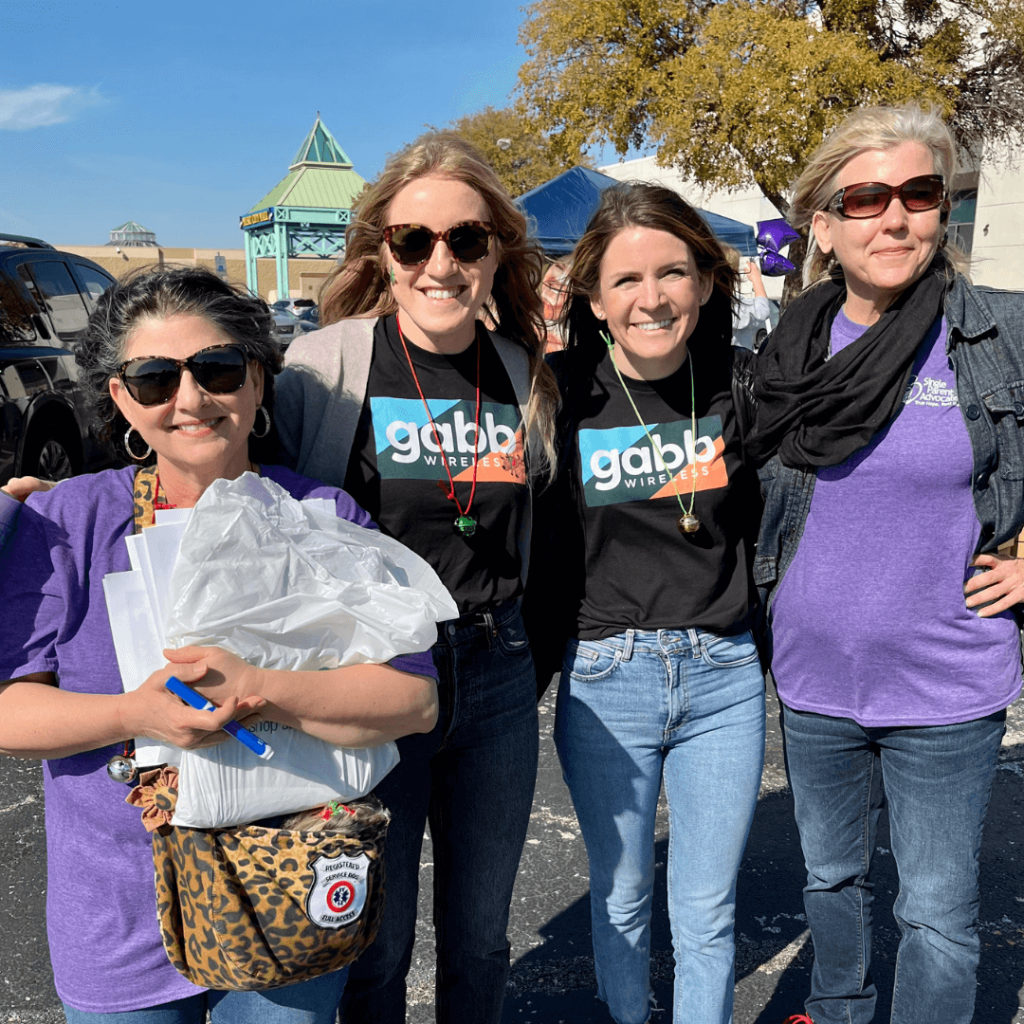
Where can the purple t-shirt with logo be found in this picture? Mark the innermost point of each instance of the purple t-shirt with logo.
(870, 620)
(101, 904)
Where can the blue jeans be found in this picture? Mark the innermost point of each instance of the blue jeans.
(309, 1002)
(686, 707)
(937, 781)
(472, 778)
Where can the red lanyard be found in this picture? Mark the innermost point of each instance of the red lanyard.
(464, 523)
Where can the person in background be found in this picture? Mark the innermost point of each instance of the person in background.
(749, 312)
(179, 368)
(552, 291)
(425, 415)
(654, 516)
(888, 420)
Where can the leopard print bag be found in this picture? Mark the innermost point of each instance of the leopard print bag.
(251, 907)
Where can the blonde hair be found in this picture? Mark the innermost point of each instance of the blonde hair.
(358, 287)
(866, 129)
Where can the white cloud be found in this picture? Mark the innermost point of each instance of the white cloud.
(41, 105)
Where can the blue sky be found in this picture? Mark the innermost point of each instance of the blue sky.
(181, 115)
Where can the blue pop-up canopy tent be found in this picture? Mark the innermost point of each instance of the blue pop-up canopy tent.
(561, 208)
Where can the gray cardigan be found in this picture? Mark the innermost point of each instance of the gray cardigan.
(318, 399)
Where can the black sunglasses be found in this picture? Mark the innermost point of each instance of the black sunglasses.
(153, 380)
(872, 198)
(413, 244)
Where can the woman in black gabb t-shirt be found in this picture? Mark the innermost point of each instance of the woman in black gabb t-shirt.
(660, 676)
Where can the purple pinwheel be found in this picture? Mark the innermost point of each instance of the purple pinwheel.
(774, 264)
(775, 234)
(772, 237)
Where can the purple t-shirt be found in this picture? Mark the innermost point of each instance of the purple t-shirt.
(101, 904)
(870, 620)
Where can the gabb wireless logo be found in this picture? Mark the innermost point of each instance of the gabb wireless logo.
(619, 464)
(407, 448)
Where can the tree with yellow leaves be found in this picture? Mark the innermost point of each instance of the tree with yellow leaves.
(735, 92)
(517, 147)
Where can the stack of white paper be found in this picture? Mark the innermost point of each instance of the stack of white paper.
(282, 584)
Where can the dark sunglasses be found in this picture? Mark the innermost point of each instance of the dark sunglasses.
(872, 198)
(153, 380)
(413, 244)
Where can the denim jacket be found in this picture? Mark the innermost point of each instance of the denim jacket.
(985, 344)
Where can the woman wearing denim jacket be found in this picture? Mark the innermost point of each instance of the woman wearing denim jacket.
(888, 417)
(661, 681)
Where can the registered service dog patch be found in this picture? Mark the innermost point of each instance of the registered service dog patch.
(338, 893)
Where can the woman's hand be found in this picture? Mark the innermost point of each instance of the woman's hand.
(153, 711)
(1002, 584)
(222, 675)
(20, 487)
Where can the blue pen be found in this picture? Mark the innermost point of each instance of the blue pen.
(200, 703)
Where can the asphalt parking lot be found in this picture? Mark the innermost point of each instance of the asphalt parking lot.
(552, 980)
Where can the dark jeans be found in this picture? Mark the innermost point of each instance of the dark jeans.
(937, 782)
(472, 779)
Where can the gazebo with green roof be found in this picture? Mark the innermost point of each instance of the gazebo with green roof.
(307, 212)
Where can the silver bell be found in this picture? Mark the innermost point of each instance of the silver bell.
(121, 768)
(688, 523)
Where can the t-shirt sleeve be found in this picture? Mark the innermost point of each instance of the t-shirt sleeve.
(34, 582)
(9, 509)
(421, 664)
(348, 508)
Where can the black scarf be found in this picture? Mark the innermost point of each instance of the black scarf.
(816, 411)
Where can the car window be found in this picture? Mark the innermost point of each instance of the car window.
(15, 315)
(96, 282)
(53, 286)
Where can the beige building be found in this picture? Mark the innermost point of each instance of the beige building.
(306, 276)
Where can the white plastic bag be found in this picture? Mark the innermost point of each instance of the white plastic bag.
(287, 586)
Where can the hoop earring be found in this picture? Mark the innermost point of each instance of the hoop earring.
(266, 426)
(128, 446)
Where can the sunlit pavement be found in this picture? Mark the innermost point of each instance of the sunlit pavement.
(552, 980)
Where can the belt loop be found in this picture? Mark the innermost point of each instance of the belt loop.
(695, 643)
(490, 628)
(627, 650)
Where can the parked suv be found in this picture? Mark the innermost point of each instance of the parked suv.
(45, 300)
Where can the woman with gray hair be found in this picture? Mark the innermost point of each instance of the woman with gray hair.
(179, 367)
(888, 426)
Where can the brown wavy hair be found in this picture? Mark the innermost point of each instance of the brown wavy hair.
(358, 287)
(639, 204)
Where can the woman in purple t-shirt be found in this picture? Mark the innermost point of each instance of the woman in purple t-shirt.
(180, 369)
(892, 457)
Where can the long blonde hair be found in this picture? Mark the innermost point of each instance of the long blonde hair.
(358, 287)
(866, 129)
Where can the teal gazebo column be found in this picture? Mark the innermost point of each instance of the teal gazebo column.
(251, 272)
(281, 247)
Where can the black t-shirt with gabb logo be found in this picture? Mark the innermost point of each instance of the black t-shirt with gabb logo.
(397, 470)
(642, 573)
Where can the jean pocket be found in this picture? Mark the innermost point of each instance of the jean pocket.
(728, 651)
(512, 637)
(591, 660)
(1006, 407)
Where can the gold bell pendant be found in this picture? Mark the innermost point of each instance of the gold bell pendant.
(688, 523)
